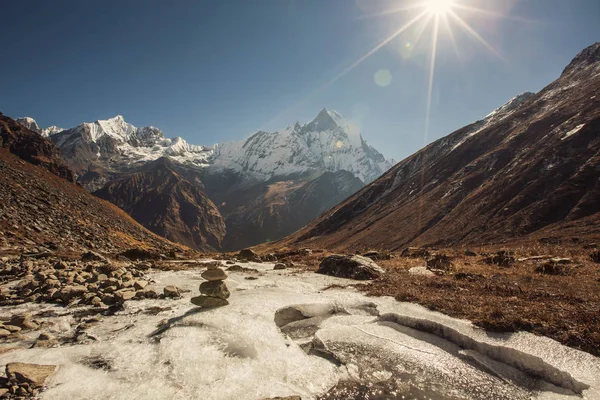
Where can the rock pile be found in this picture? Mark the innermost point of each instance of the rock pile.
(213, 292)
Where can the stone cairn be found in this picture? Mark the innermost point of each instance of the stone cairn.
(213, 292)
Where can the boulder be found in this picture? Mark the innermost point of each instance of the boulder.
(351, 267)
(171, 291)
(216, 274)
(124, 295)
(249, 255)
(23, 321)
(208, 302)
(34, 375)
(215, 289)
(279, 266)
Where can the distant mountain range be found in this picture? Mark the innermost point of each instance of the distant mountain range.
(225, 196)
(530, 170)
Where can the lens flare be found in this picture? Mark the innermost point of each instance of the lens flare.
(438, 7)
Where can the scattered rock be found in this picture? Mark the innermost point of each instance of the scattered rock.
(595, 256)
(470, 253)
(270, 257)
(351, 267)
(279, 266)
(171, 291)
(70, 292)
(34, 375)
(139, 285)
(4, 333)
(249, 255)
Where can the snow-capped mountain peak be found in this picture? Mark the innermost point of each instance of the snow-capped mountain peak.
(327, 143)
(31, 124)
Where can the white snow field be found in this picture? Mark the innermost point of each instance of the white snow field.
(325, 336)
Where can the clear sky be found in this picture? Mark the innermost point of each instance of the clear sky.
(213, 71)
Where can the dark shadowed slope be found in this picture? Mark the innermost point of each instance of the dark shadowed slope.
(40, 210)
(163, 201)
(273, 210)
(529, 169)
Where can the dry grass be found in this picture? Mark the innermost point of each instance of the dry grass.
(563, 307)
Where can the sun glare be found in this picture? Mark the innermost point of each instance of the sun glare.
(439, 7)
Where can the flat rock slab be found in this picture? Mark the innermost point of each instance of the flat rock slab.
(208, 302)
(351, 267)
(33, 374)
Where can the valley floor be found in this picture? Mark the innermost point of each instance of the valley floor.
(560, 299)
(291, 332)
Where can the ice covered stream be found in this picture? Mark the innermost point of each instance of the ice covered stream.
(283, 334)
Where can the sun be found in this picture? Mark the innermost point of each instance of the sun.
(438, 7)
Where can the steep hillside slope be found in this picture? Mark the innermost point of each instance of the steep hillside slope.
(167, 204)
(530, 167)
(39, 210)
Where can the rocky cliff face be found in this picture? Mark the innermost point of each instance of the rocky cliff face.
(529, 168)
(270, 211)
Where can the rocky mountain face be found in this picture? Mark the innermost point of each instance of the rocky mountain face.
(41, 209)
(529, 169)
(160, 199)
(273, 210)
(302, 169)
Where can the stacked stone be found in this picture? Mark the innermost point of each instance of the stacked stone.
(213, 292)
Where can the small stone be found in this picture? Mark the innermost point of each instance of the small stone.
(150, 293)
(4, 333)
(72, 291)
(208, 302)
(420, 271)
(279, 266)
(139, 285)
(171, 291)
(101, 277)
(124, 295)
(215, 289)
(214, 275)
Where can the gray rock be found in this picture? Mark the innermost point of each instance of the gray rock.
(215, 289)
(279, 266)
(351, 267)
(216, 274)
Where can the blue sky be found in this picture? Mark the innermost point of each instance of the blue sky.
(213, 71)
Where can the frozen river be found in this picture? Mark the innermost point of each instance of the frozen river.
(335, 338)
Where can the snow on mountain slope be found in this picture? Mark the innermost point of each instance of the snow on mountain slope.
(116, 138)
(328, 143)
